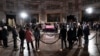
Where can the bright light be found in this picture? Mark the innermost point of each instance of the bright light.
(89, 10)
(23, 15)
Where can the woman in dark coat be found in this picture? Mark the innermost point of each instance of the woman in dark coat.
(4, 35)
(37, 37)
(22, 37)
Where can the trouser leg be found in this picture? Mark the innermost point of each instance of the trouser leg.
(38, 44)
(28, 46)
(86, 40)
(32, 44)
(62, 43)
(80, 41)
(65, 43)
(15, 42)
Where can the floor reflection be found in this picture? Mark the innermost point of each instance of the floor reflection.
(77, 52)
(84, 52)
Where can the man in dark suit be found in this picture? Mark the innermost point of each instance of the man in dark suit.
(86, 32)
(63, 37)
(14, 35)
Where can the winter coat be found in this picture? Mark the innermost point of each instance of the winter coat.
(4, 33)
(79, 32)
(14, 33)
(86, 31)
(37, 33)
(28, 35)
(22, 34)
(63, 33)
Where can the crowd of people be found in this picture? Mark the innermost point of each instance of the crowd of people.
(23, 33)
(72, 35)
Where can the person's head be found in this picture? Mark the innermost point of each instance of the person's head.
(5, 27)
(27, 28)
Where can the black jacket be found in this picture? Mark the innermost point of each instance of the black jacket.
(63, 33)
(70, 34)
(79, 32)
(86, 31)
(14, 33)
(22, 34)
(4, 33)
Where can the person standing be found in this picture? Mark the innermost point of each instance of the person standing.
(14, 35)
(28, 36)
(37, 37)
(4, 37)
(63, 37)
(79, 35)
(86, 32)
(22, 37)
(74, 34)
(70, 38)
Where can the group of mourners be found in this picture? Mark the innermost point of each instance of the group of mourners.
(4, 33)
(73, 34)
(23, 33)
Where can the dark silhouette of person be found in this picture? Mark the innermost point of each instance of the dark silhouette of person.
(28, 36)
(14, 35)
(79, 35)
(4, 35)
(56, 27)
(37, 37)
(70, 38)
(22, 37)
(74, 34)
(1, 36)
(63, 36)
(86, 32)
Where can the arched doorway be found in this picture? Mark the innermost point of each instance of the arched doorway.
(10, 21)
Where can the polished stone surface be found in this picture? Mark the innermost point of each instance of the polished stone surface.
(52, 48)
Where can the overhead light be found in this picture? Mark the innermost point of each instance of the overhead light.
(89, 10)
(23, 15)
